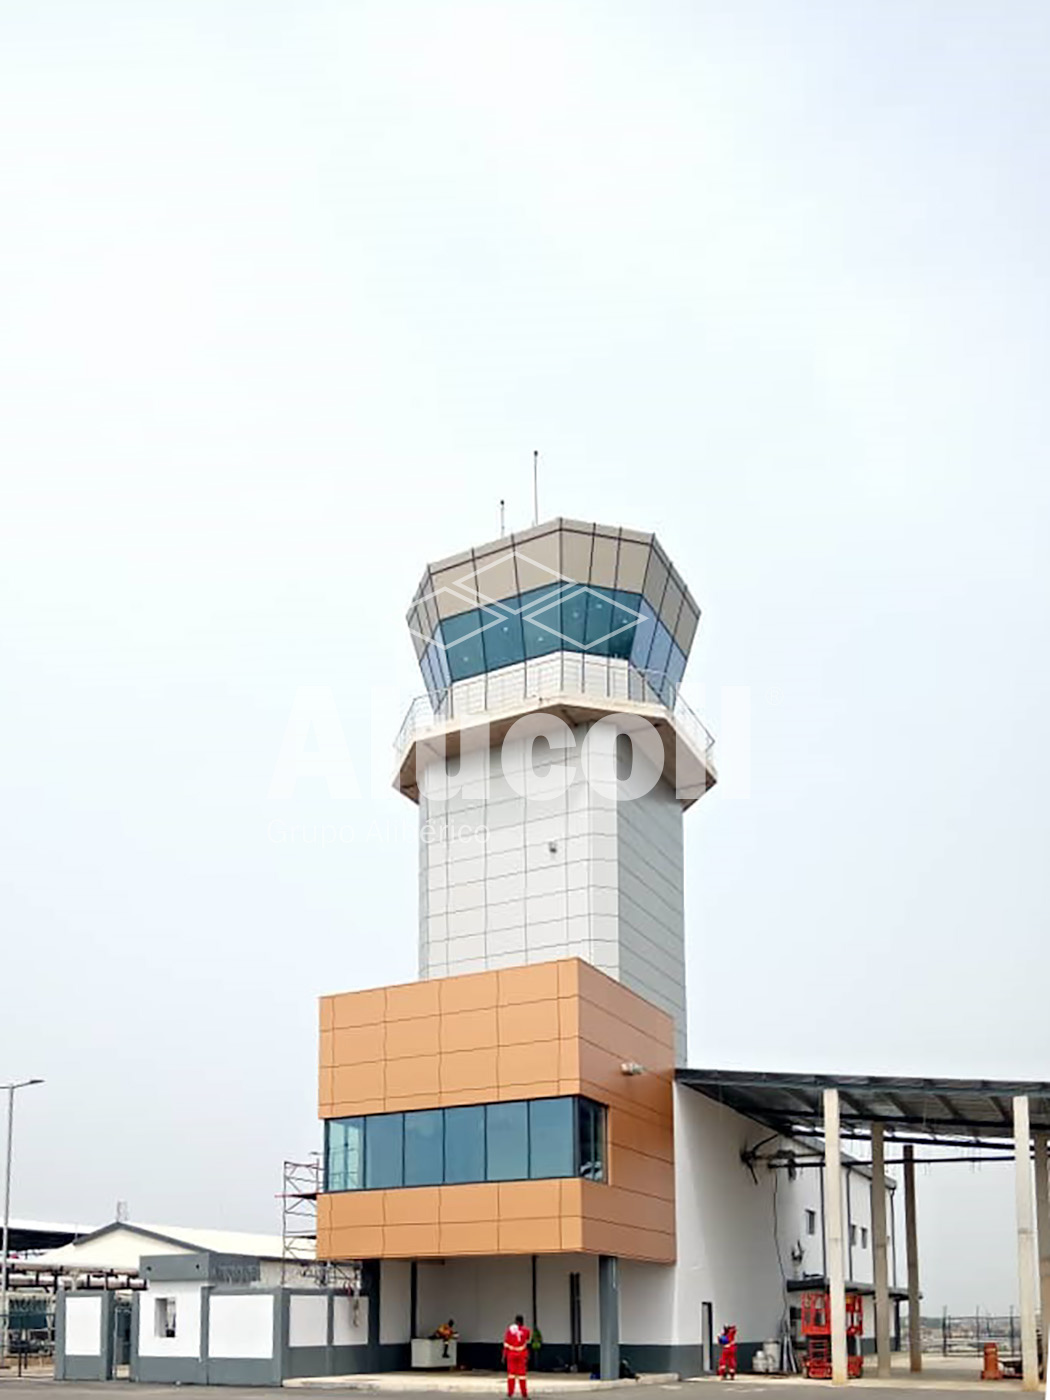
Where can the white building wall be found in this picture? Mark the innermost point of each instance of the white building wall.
(508, 879)
(483, 1295)
(651, 902)
(349, 1321)
(395, 1291)
(727, 1245)
(307, 1320)
(240, 1326)
(83, 1325)
(187, 1339)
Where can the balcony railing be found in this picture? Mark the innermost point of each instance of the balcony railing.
(545, 678)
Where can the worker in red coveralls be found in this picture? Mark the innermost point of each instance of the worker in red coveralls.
(516, 1354)
(727, 1361)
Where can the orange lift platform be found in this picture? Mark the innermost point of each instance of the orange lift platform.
(815, 1329)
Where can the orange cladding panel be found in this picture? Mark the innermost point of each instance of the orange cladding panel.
(527, 1032)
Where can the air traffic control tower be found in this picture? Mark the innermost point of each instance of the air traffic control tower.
(552, 758)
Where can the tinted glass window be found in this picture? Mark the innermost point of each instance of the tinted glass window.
(541, 641)
(507, 1138)
(465, 1143)
(343, 1165)
(384, 1141)
(573, 623)
(503, 644)
(551, 1144)
(661, 652)
(591, 1150)
(462, 636)
(625, 624)
(675, 666)
(642, 636)
(424, 1148)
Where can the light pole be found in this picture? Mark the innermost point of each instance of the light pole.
(22, 1084)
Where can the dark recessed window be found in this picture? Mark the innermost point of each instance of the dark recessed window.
(344, 1158)
(424, 1148)
(465, 1143)
(384, 1150)
(507, 1141)
(590, 1150)
(538, 1138)
(551, 1137)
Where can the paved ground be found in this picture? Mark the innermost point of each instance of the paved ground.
(745, 1388)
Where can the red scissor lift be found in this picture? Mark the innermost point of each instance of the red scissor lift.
(816, 1331)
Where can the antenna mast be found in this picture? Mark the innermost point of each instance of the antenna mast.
(535, 488)
(502, 518)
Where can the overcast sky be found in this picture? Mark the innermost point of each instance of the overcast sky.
(290, 293)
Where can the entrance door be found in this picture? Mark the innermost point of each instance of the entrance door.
(707, 1336)
(121, 1352)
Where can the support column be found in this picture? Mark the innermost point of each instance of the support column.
(833, 1236)
(1026, 1260)
(371, 1278)
(879, 1247)
(609, 1316)
(911, 1233)
(1042, 1219)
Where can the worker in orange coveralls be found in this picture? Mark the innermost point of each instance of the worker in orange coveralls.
(516, 1354)
(727, 1361)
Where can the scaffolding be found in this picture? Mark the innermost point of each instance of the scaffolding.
(302, 1182)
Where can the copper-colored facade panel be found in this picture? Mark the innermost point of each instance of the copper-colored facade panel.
(528, 1022)
(413, 1037)
(351, 1210)
(416, 1078)
(469, 1030)
(467, 993)
(415, 1205)
(476, 1237)
(522, 1033)
(525, 1200)
(457, 1204)
(411, 1000)
(523, 984)
(359, 1008)
(470, 1069)
(354, 1083)
(325, 1013)
(412, 1241)
(358, 1045)
(530, 1236)
(569, 978)
(519, 1066)
(636, 1171)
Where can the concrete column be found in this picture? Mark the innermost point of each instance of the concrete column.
(1026, 1252)
(609, 1316)
(879, 1248)
(911, 1233)
(833, 1236)
(1042, 1217)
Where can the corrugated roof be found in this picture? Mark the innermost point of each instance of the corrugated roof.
(977, 1109)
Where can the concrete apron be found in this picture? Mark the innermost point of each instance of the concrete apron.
(474, 1383)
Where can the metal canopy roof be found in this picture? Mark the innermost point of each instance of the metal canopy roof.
(977, 1109)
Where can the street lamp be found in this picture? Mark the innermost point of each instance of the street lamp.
(22, 1084)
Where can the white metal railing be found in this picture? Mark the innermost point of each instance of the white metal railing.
(566, 673)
